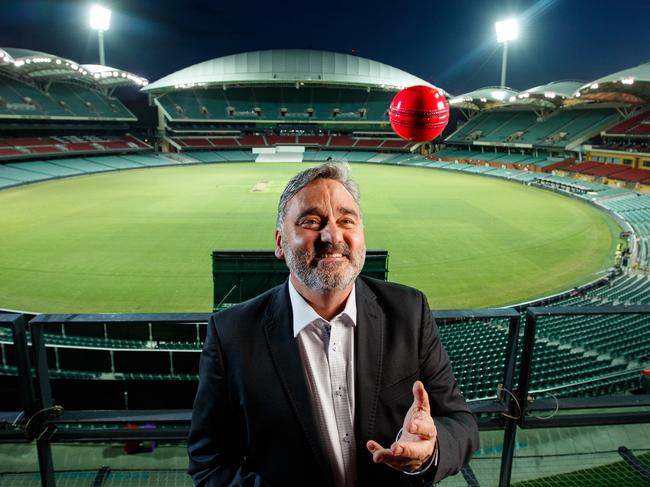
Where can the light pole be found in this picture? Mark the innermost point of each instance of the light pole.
(507, 30)
(100, 20)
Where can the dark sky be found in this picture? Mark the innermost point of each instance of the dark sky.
(448, 43)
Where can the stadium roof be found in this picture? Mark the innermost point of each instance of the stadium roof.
(488, 97)
(551, 95)
(5, 58)
(630, 85)
(41, 66)
(288, 66)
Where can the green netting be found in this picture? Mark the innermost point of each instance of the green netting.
(115, 478)
(77, 464)
(599, 469)
(613, 473)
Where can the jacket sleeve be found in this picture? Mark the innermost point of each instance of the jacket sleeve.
(216, 440)
(456, 425)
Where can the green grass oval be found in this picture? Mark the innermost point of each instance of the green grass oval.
(140, 241)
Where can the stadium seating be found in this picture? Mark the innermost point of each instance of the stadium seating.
(61, 100)
(270, 139)
(497, 158)
(30, 147)
(205, 156)
(238, 156)
(632, 175)
(281, 139)
(637, 125)
(368, 143)
(253, 141)
(341, 141)
(273, 139)
(277, 104)
(322, 140)
(581, 167)
(573, 356)
(17, 173)
(559, 129)
(628, 145)
(205, 142)
(597, 168)
(395, 144)
(211, 103)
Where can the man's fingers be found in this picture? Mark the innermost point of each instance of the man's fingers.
(418, 437)
(420, 397)
(412, 450)
(425, 429)
(379, 453)
(372, 445)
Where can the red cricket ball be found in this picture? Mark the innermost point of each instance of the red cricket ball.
(419, 113)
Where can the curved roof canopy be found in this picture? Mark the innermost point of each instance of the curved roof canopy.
(630, 85)
(38, 66)
(288, 66)
(107, 76)
(488, 97)
(5, 58)
(551, 95)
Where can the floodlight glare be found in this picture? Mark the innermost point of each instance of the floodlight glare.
(507, 30)
(100, 18)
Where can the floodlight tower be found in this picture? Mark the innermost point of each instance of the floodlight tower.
(507, 30)
(100, 20)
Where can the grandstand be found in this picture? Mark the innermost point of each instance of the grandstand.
(56, 108)
(563, 129)
(315, 99)
(41, 86)
(593, 131)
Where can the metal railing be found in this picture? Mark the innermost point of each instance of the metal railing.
(43, 422)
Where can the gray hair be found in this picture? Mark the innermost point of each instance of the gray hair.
(338, 171)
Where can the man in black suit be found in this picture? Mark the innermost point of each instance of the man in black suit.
(330, 379)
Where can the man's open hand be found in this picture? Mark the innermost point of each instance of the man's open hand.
(416, 444)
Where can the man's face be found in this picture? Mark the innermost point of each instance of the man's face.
(322, 236)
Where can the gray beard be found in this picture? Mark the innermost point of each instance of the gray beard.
(323, 277)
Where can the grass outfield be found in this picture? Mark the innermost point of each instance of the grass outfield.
(140, 241)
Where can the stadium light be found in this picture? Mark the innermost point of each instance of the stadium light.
(100, 20)
(507, 30)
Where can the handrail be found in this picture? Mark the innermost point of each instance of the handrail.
(45, 422)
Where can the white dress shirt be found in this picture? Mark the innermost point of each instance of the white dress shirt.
(327, 353)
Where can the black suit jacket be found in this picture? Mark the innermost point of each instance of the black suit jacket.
(252, 423)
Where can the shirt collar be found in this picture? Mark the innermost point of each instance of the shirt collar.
(304, 314)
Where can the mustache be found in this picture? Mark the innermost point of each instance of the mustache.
(323, 250)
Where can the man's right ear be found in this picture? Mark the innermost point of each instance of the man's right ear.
(279, 253)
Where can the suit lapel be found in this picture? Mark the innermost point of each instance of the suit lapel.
(368, 362)
(286, 358)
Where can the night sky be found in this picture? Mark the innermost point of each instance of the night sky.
(450, 44)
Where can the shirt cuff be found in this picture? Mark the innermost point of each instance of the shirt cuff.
(432, 462)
